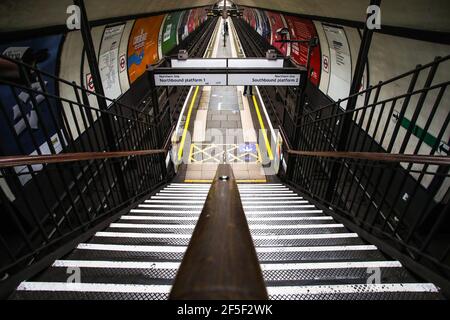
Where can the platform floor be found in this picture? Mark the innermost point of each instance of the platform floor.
(222, 128)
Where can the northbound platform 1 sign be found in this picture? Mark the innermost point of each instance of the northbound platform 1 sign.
(191, 79)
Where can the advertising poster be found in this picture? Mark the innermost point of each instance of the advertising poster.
(277, 22)
(143, 45)
(183, 27)
(169, 32)
(42, 53)
(192, 20)
(340, 64)
(108, 61)
(302, 29)
(252, 18)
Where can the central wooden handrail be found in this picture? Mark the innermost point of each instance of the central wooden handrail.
(377, 156)
(12, 161)
(220, 261)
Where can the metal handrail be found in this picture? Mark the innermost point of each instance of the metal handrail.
(11, 161)
(377, 156)
(220, 261)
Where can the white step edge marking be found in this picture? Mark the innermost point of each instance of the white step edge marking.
(288, 218)
(151, 226)
(131, 248)
(283, 212)
(163, 192)
(143, 235)
(305, 236)
(252, 226)
(115, 264)
(169, 206)
(255, 237)
(261, 187)
(184, 191)
(281, 207)
(269, 198)
(165, 289)
(295, 226)
(127, 217)
(316, 248)
(174, 201)
(179, 197)
(330, 265)
(93, 287)
(353, 288)
(272, 202)
(182, 194)
(264, 266)
(163, 211)
(182, 249)
(130, 217)
(264, 191)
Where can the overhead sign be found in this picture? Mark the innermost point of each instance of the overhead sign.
(255, 63)
(264, 79)
(191, 79)
(199, 63)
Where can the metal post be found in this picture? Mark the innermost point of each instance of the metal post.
(156, 115)
(90, 53)
(97, 81)
(351, 103)
(301, 94)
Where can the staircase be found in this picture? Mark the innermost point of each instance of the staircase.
(304, 253)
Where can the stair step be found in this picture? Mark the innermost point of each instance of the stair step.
(304, 253)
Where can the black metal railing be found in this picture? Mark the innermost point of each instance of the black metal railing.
(405, 203)
(44, 205)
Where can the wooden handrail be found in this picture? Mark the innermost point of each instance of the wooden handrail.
(11, 161)
(220, 261)
(377, 156)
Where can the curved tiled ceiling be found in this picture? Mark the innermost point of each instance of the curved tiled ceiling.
(418, 14)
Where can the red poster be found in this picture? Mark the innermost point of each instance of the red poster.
(302, 29)
(253, 18)
(276, 22)
(191, 20)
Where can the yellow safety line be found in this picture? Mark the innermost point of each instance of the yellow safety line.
(186, 125)
(238, 181)
(196, 181)
(261, 123)
(252, 181)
